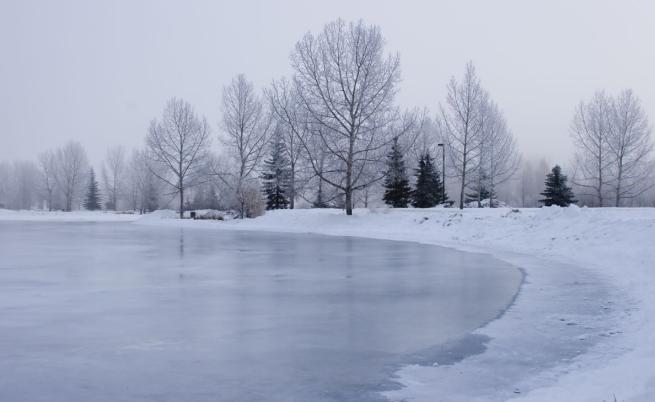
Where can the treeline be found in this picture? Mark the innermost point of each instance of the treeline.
(332, 135)
(61, 179)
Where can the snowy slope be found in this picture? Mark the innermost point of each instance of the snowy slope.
(558, 248)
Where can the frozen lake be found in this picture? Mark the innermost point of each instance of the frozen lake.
(121, 312)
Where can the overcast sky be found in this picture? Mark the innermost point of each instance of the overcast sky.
(99, 71)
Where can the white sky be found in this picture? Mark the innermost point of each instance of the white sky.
(98, 71)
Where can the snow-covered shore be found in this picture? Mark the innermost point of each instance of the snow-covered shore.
(59, 216)
(590, 284)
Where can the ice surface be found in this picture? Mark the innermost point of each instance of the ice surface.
(120, 312)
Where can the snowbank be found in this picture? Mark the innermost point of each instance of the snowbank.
(75, 216)
(557, 247)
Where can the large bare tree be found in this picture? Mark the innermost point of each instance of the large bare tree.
(113, 170)
(247, 125)
(462, 127)
(180, 144)
(590, 130)
(629, 143)
(346, 84)
(72, 166)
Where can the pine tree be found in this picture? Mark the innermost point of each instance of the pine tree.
(429, 190)
(480, 191)
(92, 200)
(276, 177)
(397, 191)
(557, 192)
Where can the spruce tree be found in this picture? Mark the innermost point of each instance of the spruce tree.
(480, 191)
(557, 192)
(429, 190)
(276, 176)
(92, 200)
(397, 192)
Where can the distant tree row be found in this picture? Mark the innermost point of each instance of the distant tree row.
(64, 180)
(332, 135)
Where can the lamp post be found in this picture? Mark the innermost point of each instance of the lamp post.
(443, 173)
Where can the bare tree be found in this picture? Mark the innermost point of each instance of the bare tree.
(462, 127)
(72, 165)
(112, 175)
(25, 184)
(143, 187)
(499, 155)
(48, 170)
(5, 184)
(590, 131)
(247, 125)
(346, 85)
(426, 138)
(630, 145)
(295, 121)
(180, 144)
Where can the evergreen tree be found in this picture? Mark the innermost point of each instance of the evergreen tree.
(397, 191)
(557, 192)
(212, 199)
(429, 190)
(92, 200)
(480, 191)
(276, 176)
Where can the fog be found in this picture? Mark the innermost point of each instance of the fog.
(99, 72)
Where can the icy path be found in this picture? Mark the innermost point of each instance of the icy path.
(566, 252)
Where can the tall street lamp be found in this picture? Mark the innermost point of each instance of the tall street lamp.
(443, 173)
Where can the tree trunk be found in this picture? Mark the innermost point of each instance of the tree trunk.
(349, 176)
(479, 191)
(600, 178)
(618, 183)
(461, 190)
(491, 194)
(292, 187)
(181, 202)
(349, 201)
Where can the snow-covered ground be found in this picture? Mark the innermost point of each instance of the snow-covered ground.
(590, 284)
(59, 216)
